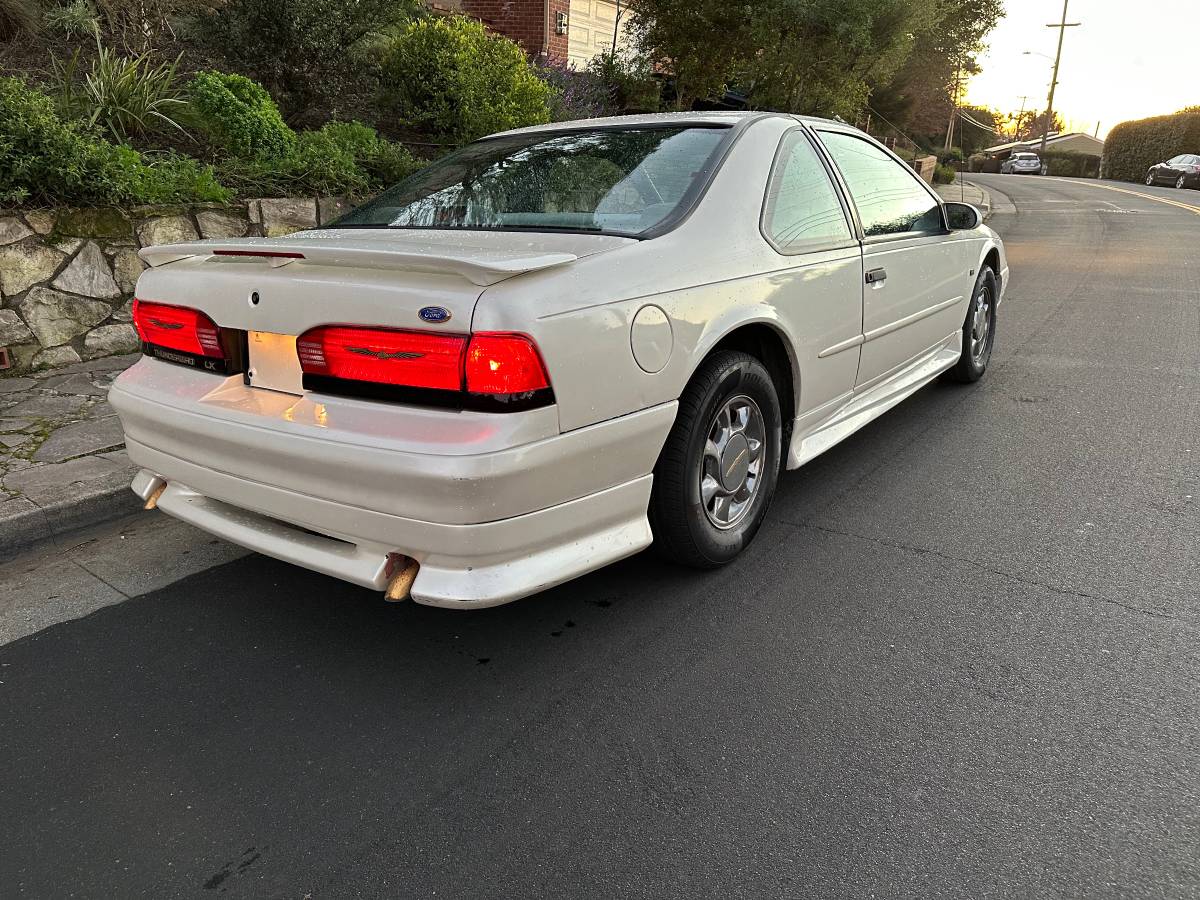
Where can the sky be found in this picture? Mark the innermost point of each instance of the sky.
(1128, 60)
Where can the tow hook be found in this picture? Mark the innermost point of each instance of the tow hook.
(400, 584)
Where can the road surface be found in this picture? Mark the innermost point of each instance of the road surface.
(960, 660)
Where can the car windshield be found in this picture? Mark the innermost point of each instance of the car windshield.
(616, 181)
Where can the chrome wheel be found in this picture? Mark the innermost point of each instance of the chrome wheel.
(731, 470)
(1180, 182)
(1149, 178)
(981, 326)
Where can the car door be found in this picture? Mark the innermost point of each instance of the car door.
(817, 286)
(915, 279)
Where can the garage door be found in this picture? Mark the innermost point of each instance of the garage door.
(591, 31)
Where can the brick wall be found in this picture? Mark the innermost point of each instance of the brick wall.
(524, 21)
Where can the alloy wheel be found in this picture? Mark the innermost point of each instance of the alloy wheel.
(1179, 182)
(981, 325)
(1149, 178)
(731, 470)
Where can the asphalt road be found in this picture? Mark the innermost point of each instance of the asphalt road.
(959, 661)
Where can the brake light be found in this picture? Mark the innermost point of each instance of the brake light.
(502, 364)
(177, 328)
(492, 366)
(384, 356)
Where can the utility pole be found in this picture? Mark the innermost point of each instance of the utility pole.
(1016, 135)
(954, 112)
(1062, 29)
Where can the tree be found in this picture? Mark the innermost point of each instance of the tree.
(1027, 124)
(924, 92)
(978, 127)
(822, 56)
(701, 42)
(305, 52)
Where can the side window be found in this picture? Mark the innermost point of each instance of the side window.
(889, 197)
(802, 211)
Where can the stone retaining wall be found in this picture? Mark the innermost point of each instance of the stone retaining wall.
(67, 275)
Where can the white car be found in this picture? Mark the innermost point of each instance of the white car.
(550, 349)
(1023, 164)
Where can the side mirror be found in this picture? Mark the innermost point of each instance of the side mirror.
(963, 216)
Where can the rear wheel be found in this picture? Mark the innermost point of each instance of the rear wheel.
(979, 330)
(718, 469)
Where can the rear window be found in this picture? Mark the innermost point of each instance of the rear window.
(1025, 156)
(612, 181)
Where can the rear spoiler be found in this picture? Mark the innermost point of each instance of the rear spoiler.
(482, 267)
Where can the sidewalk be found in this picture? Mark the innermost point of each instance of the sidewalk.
(62, 462)
(965, 191)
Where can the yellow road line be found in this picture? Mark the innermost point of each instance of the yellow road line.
(1109, 187)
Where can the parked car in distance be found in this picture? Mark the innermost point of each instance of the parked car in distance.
(1022, 163)
(551, 348)
(1182, 171)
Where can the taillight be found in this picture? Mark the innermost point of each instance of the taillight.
(177, 328)
(504, 364)
(384, 356)
(487, 369)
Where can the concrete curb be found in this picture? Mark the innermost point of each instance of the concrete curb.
(24, 524)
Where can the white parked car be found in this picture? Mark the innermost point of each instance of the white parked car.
(550, 349)
(1023, 164)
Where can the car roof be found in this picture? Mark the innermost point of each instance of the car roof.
(719, 118)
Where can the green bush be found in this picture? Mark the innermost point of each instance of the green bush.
(944, 174)
(341, 158)
(628, 83)
(238, 116)
(44, 159)
(308, 53)
(452, 77)
(1131, 148)
(1072, 165)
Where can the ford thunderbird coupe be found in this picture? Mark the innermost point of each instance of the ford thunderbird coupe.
(550, 349)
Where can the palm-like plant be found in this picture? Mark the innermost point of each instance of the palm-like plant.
(122, 95)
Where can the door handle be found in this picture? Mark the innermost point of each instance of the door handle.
(876, 276)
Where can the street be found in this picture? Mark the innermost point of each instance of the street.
(960, 660)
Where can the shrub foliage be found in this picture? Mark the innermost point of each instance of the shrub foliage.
(454, 78)
(238, 116)
(45, 159)
(1131, 148)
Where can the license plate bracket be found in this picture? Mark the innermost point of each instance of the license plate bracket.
(273, 363)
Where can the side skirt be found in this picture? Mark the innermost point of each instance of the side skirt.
(858, 408)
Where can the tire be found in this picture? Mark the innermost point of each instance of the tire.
(1180, 182)
(974, 360)
(686, 529)
(1150, 178)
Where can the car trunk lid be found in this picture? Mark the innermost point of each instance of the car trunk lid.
(276, 289)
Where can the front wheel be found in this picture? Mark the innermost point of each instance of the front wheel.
(1150, 178)
(1180, 183)
(718, 469)
(979, 330)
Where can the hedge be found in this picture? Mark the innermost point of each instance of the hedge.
(1072, 165)
(1133, 147)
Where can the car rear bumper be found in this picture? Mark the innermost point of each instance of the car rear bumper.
(486, 527)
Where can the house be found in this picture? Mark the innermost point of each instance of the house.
(556, 31)
(1075, 142)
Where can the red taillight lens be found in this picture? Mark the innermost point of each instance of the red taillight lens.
(384, 356)
(177, 328)
(500, 365)
(504, 364)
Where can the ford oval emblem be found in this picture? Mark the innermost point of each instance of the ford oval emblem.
(434, 314)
